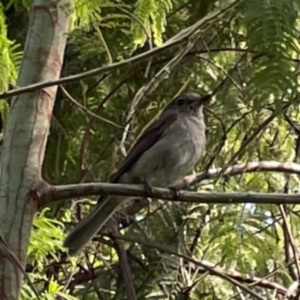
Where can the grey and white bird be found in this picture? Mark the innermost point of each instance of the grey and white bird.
(163, 154)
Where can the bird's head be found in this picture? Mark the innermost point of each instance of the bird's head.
(191, 103)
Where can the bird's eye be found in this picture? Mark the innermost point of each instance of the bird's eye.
(180, 102)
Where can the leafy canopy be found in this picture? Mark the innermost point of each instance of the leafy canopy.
(253, 49)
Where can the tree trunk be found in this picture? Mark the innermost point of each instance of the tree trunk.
(26, 136)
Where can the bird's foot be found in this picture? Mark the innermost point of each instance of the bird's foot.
(174, 192)
(147, 188)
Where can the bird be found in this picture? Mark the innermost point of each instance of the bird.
(162, 155)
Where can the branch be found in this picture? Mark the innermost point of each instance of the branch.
(242, 278)
(87, 111)
(178, 38)
(91, 73)
(125, 269)
(56, 193)
(209, 267)
(260, 128)
(144, 91)
(249, 167)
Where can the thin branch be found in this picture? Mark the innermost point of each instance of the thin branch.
(102, 39)
(123, 261)
(86, 110)
(205, 265)
(91, 73)
(135, 18)
(88, 126)
(289, 242)
(252, 281)
(249, 167)
(95, 272)
(144, 91)
(257, 131)
(289, 239)
(222, 70)
(132, 60)
(178, 38)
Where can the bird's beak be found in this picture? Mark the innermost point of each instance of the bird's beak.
(202, 100)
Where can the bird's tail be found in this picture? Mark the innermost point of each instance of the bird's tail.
(88, 227)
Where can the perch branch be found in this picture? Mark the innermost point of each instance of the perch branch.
(55, 193)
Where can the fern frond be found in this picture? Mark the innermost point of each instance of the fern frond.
(152, 14)
(271, 31)
(158, 18)
(87, 12)
(10, 56)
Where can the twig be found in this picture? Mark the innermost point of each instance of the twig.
(259, 129)
(248, 167)
(123, 261)
(290, 240)
(288, 236)
(261, 282)
(98, 31)
(87, 130)
(150, 87)
(175, 40)
(87, 110)
(205, 265)
(220, 68)
(135, 18)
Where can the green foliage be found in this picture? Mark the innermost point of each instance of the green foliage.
(152, 16)
(86, 13)
(272, 32)
(45, 243)
(255, 46)
(10, 56)
(53, 291)
(46, 238)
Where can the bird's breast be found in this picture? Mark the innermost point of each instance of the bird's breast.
(173, 155)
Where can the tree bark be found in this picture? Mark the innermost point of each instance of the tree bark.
(26, 136)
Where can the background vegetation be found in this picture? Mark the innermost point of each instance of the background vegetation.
(249, 55)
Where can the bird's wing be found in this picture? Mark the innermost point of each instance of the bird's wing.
(146, 140)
